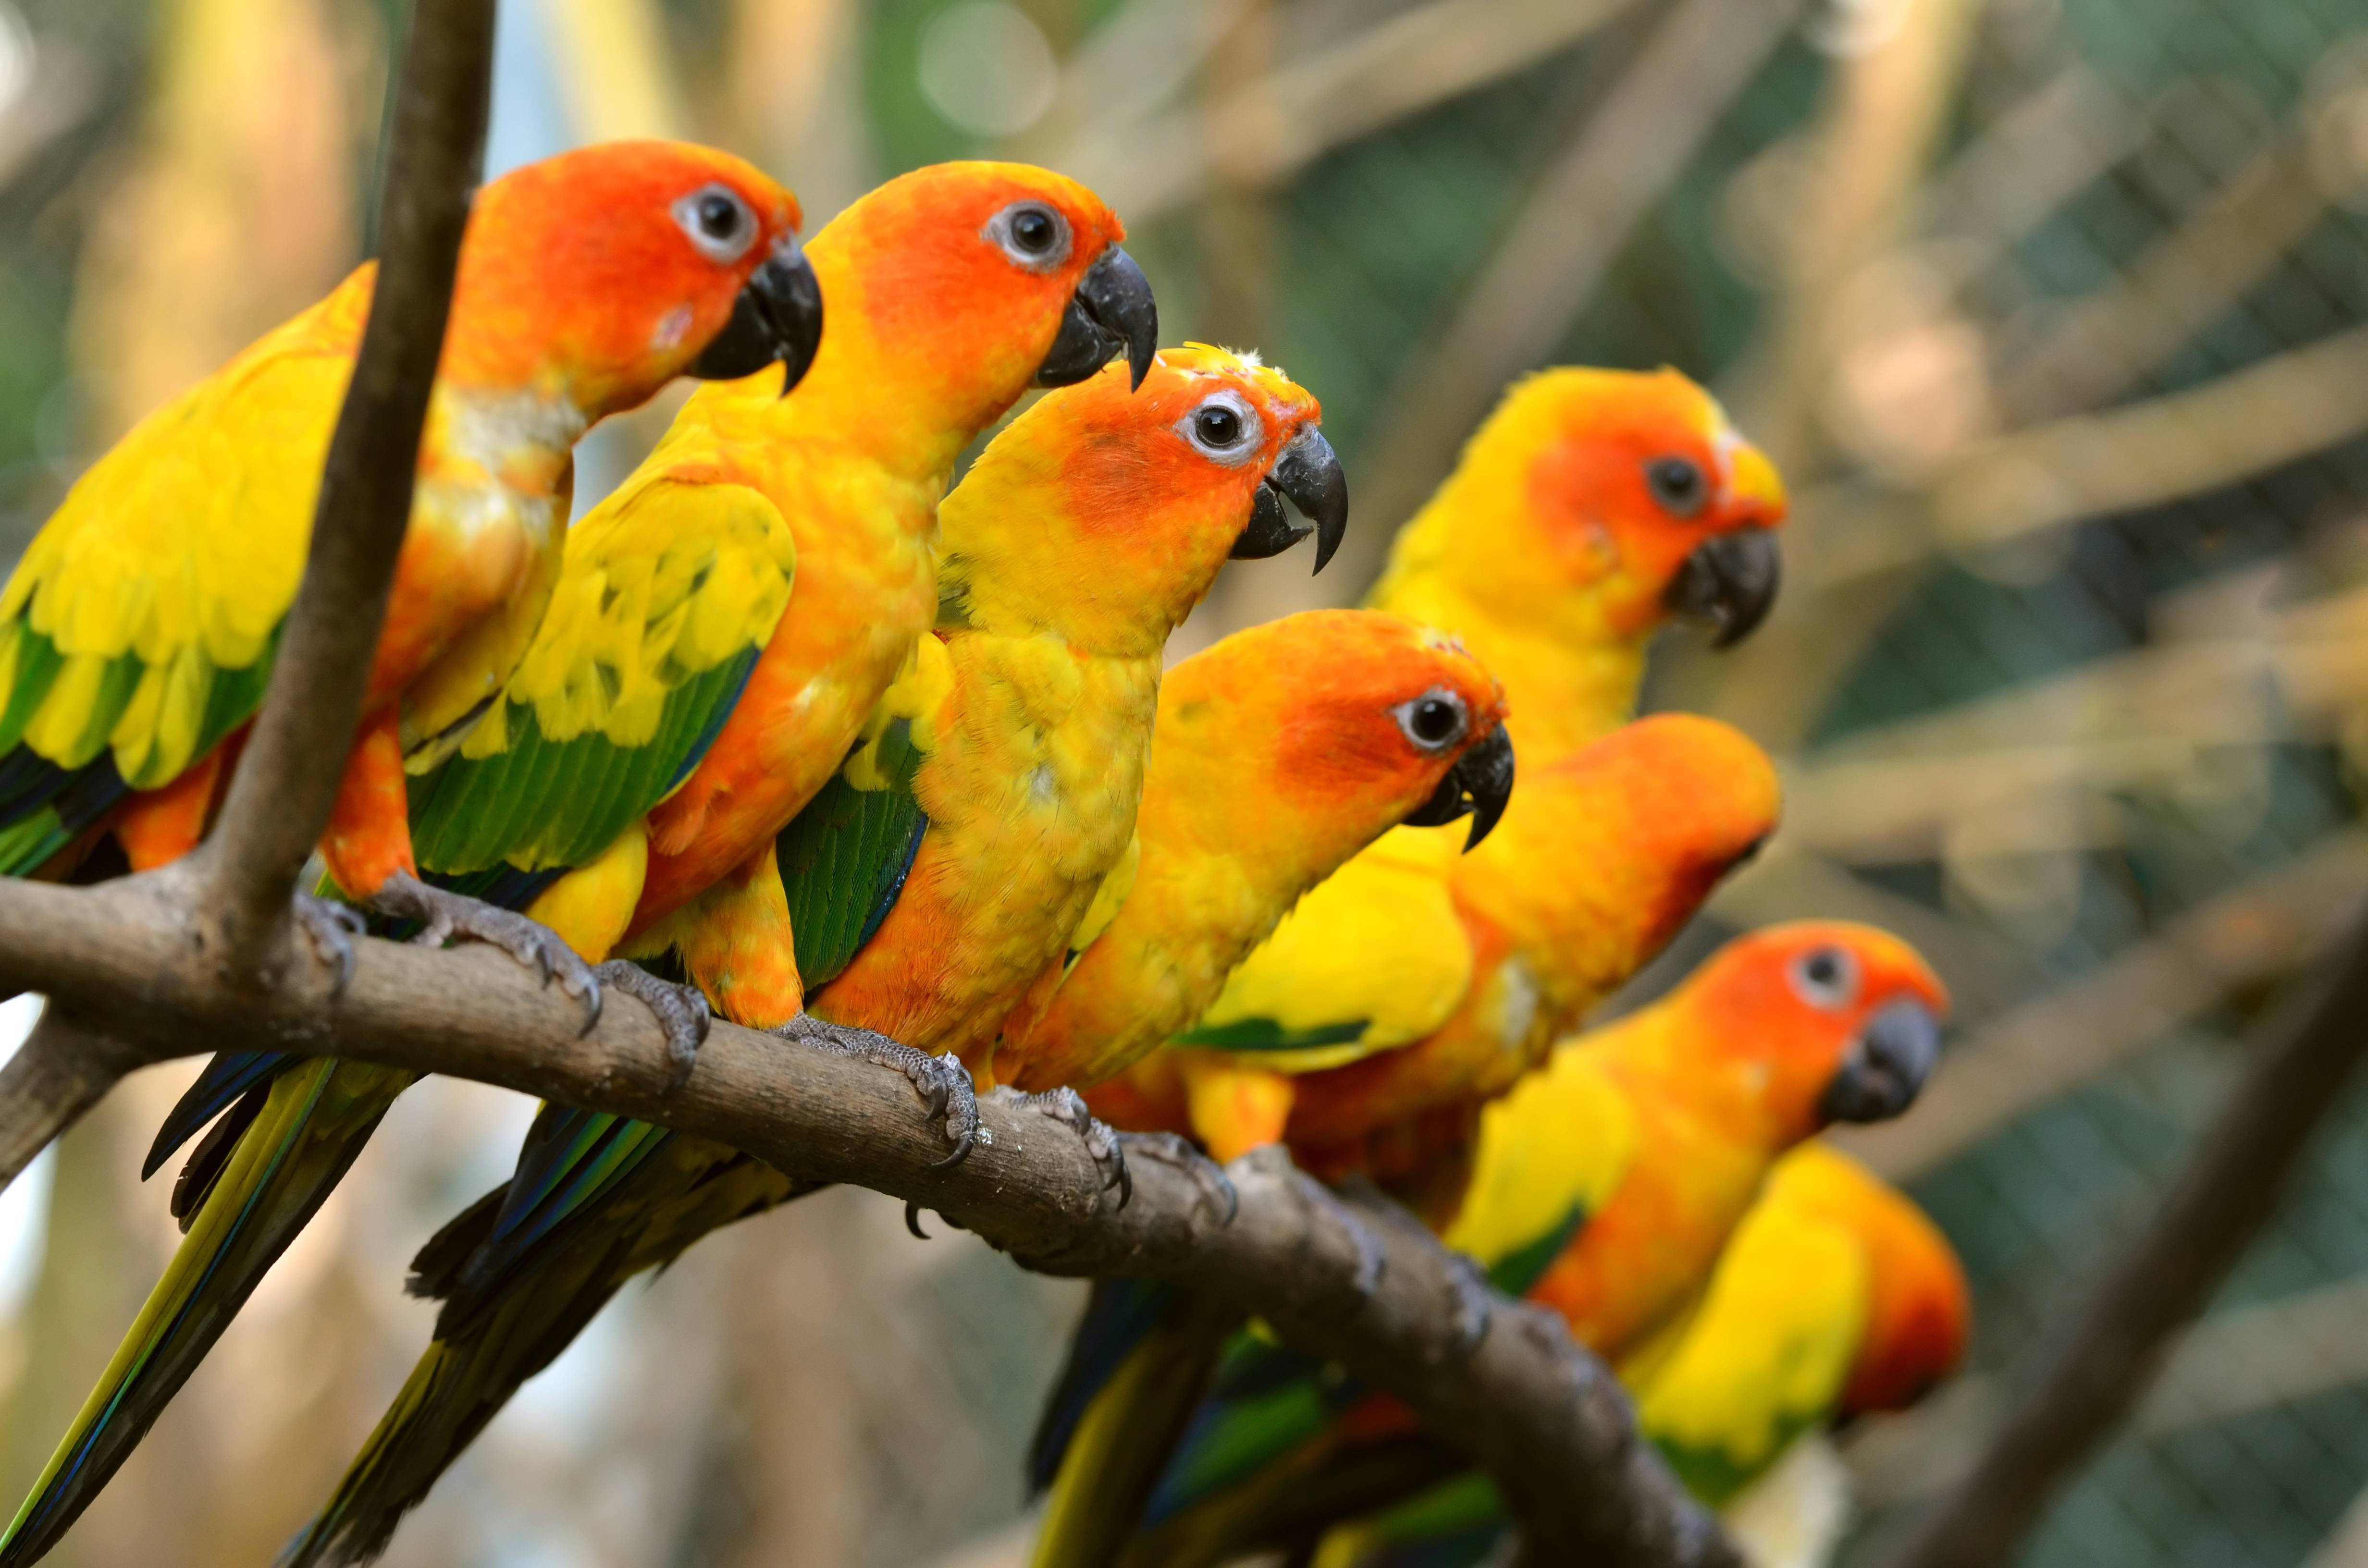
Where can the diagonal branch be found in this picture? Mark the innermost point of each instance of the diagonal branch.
(2229, 1190)
(59, 1072)
(1546, 1419)
(287, 776)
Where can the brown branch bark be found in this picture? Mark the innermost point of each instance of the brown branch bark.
(1546, 1419)
(287, 776)
(59, 1072)
(2231, 1187)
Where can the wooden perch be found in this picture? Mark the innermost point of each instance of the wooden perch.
(1546, 1419)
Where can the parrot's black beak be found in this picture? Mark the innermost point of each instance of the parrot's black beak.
(1308, 474)
(1480, 783)
(1886, 1066)
(1112, 311)
(1729, 582)
(776, 316)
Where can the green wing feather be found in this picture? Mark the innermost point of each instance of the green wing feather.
(844, 858)
(669, 595)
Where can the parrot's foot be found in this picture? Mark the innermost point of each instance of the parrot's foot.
(443, 915)
(333, 928)
(1476, 1300)
(681, 1011)
(943, 1082)
(1175, 1149)
(1067, 1107)
(1321, 1199)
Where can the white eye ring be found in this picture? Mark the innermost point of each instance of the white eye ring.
(1248, 432)
(1824, 977)
(719, 224)
(1017, 231)
(1434, 722)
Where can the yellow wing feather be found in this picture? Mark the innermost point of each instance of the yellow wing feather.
(661, 584)
(1559, 1142)
(176, 557)
(1765, 1355)
(1379, 942)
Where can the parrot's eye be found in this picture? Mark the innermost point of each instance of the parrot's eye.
(1033, 234)
(1679, 484)
(1825, 977)
(1434, 721)
(720, 224)
(1224, 428)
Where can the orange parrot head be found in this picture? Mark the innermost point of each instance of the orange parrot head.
(956, 286)
(601, 274)
(1105, 511)
(1340, 723)
(1595, 504)
(1830, 1021)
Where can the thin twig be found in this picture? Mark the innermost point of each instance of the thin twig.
(2231, 1187)
(289, 774)
(1546, 1419)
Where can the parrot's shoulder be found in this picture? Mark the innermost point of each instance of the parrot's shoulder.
(665, 600)
(1376, 957)
(1763, 1357)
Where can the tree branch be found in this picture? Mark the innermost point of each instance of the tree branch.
(2230, 1189)
(1545, 1418)
(288, 775)
(59, 1072)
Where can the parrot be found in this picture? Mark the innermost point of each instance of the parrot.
(1217, 865)
(1587, 509)
(1835, 1297)
(724, 621)
(1599, 859)
(138, 633)
(1603, 1186)
(954, 856)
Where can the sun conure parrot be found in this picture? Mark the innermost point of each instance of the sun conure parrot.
(1601, 859)
(1590, 508)
(1225, 845)
(1604, 1185)
(954, 287)
(1835, 1297)
(137, 633)
(945, 867)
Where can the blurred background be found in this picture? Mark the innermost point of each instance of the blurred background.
(2052, 312)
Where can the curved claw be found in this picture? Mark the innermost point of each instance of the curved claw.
(681, 1011)
(942, 1081)
(443, 915)
(332, 927)
(1176, 1150)
(912, 1220)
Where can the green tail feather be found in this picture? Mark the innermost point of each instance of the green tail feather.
(1128, 1435)
(495, 1345)
(316, 1121)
